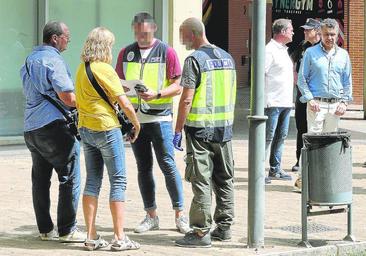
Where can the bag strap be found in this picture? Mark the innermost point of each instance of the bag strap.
(49, 98)
(58, 106)
(96, 85)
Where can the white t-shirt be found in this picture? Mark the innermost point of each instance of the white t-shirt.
(144, 118)
(279, 77)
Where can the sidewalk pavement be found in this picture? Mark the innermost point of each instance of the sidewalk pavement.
(282, 231)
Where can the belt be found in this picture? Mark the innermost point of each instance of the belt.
(328, 100)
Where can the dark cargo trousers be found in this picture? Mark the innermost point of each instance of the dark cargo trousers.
(210, 166)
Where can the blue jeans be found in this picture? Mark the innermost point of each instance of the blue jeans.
(104, 147)
(276, 132)
(54, 147)
(160, 136)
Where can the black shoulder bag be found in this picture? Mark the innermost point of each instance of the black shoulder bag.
(70, 116)
(126, 125)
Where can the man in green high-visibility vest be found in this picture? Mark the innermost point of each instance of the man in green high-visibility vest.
(206, 108)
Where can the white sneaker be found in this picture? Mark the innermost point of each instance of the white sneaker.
(148, 224)
(75, 236)
(182, 224)
(50, 236)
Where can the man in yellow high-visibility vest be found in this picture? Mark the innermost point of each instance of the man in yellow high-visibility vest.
(206, 108)
(156, 64)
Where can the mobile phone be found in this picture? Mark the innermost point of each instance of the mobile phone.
(140, 88)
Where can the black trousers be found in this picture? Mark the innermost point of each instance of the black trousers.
(301, 124)
(54, 147)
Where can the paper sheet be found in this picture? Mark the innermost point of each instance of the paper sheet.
(130, 84)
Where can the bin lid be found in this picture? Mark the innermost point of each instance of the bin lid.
(320, 140)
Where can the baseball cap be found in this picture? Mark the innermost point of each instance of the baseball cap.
(311, 24)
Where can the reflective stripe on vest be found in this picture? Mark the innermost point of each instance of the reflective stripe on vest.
(154, 78)
(152, 72)
(213, 103)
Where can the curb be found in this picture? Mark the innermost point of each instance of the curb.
(11, 140)
(356, 248)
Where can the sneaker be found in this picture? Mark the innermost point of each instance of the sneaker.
(182, 224)
(148, 224)
(76, 236)
(50, 236)
(267, 180)
(297, 186)
(220, 234)
(295, 168)
(280, 175)
(124, 244)
(193, 240)
(98, 243)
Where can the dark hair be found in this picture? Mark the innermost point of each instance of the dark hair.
(50, 29)
(143, 17)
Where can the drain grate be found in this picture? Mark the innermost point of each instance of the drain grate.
(312, 228)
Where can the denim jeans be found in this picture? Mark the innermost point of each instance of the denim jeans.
(104, 147)
(276, 132)
(54, 147)
(160, 136)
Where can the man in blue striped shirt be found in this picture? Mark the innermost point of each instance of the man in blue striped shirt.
(325, 80)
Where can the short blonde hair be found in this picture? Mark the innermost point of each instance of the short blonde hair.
(98, 46)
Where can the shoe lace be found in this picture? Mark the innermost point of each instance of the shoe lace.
(182, 220)
(76, 231)
(148, 221)
(282, 172)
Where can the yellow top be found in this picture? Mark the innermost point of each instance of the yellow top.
(94, 112)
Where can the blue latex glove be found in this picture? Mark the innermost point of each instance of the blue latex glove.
(177, 141)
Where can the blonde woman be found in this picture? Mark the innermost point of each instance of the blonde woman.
(102, 138)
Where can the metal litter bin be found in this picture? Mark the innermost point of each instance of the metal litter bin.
(326, 178)
(329, 163)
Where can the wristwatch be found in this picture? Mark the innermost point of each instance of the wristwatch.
(158, 95)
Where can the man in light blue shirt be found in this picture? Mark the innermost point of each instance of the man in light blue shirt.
(325, 80)
(48, 75)
(47, 136)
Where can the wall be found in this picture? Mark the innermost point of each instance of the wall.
(21, 22)
(239, 39)
(356, 45)
(240, 15)
(18, 36)
(179, 11)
